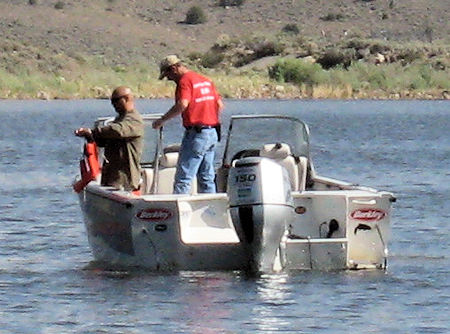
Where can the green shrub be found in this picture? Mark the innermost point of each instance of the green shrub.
(340, 77)
(291, 28)
(391, 77)
(297, 71)
(333, 17)
(195, 56)
(223, 42)
(267, 48)
(230, 3)
(423, 77)
(368, 76)
(379, 47)
(377, 79)
(357, 43)
(32, 2)
(195, 15)
(59, 5)
(440, 63)
(256, 48)
(332, 58)
(211, 59)
(409, 55)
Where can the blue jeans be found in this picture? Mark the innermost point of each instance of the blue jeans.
(196, 158)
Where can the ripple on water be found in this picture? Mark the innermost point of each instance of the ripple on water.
(48, 285)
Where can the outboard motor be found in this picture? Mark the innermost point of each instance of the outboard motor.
(261, 208)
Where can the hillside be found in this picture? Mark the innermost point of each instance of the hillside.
(51, 36)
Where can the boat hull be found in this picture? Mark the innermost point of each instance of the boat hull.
(166, 234)
(175, 232)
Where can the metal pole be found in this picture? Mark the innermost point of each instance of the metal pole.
(154, 188)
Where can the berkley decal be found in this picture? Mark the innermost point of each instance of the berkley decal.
(368, 214)
(154, 215)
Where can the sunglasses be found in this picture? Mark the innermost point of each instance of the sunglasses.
(169, 69)
(117, 99)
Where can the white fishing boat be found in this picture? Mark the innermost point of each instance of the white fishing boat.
(271, 212)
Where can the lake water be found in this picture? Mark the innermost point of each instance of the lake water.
(47, 285)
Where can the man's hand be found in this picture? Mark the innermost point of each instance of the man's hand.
(83, 132)
(157, 124)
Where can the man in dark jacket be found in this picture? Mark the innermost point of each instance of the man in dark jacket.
(122, 140)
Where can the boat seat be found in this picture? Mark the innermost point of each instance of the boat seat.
(296, 167)
(166, 173)
(146, 180)
(302, 171)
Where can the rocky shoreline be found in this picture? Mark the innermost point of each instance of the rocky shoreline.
(276, 92)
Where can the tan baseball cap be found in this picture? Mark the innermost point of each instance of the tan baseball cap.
(166, 63)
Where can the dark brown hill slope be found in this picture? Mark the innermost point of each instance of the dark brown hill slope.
(131, 31)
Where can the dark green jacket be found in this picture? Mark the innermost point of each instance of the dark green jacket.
(123, 143)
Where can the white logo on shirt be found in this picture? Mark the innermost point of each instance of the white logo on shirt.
(205, 91)
(204, 98)
(202, 84)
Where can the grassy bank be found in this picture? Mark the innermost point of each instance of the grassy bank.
(366, 81)
(349, 70)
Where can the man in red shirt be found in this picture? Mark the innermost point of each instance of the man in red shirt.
(199, 104)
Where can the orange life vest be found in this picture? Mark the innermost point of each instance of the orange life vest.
(89, 166)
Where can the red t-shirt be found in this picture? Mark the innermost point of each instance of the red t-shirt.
(202, 96)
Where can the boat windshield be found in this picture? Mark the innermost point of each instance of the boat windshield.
(251, 133)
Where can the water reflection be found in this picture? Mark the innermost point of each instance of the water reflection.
(274, 295)
(205, 307)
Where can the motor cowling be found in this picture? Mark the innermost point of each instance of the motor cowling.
(261, 207)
